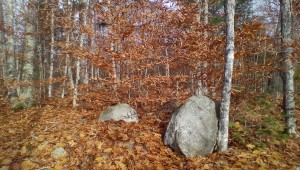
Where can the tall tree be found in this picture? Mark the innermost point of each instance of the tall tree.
(30, 48)
(52, 6)
(10, 60)
(288, 72)
(2, 41)
(226, 92)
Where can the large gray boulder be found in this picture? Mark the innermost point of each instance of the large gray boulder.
(119, 112)
(193, 128)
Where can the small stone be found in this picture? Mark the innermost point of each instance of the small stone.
(59, 153)
(119, 112)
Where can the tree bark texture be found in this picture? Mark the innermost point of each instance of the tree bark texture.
(28, 68)
(2, 41)
(51, 52)
(10, 60)
(288, 72)
(226, 92)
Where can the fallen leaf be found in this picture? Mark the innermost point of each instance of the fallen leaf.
(99, 144)
(6, 161)
(58, 167)
(108, 150)
(72, 143)
(27, 164)
(120, 164)
(250, 146)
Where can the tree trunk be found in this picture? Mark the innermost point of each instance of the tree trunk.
(51, 51)
(2, 42)
(66, 68)
(205, 15)
(288, 73)
(10, 60)
(30, 41)
(84, 62)
(77, 77)
(226, 92)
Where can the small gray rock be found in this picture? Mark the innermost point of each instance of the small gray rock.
(193, 128)
(59, 153)
(119, 112)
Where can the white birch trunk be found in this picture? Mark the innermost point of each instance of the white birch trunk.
(226, 92)
(288, 73)
(77, 77)
(85, 79)
(51, 52)
(114, 68)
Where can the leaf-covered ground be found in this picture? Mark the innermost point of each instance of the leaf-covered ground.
(29, 136)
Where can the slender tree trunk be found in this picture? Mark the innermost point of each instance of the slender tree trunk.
(2, 42)
(77, 77)
(66, 68)
(288, 73)
(78, 67)
(85, 78)
(167, 63)
(10, 60)
(199, 6)
(226, 92)
(51, 51)
(205, 4)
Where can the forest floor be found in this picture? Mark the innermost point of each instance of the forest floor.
(29, 136)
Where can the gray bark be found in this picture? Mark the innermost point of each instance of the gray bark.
(205, 3)
(84, 62)
(30, 46)
(226, 92)
(78, 63)
(288, 73)
(66, 67)
(2, 41)
(77, 77)
(10, 60)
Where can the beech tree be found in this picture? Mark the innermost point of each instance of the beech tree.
(288, 72)
(130, 51)
(10, 59)
(30, 49)
(228, 69)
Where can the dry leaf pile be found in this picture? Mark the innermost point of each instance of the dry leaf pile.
(29, 137)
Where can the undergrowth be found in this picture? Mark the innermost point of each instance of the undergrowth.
(259, 122)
